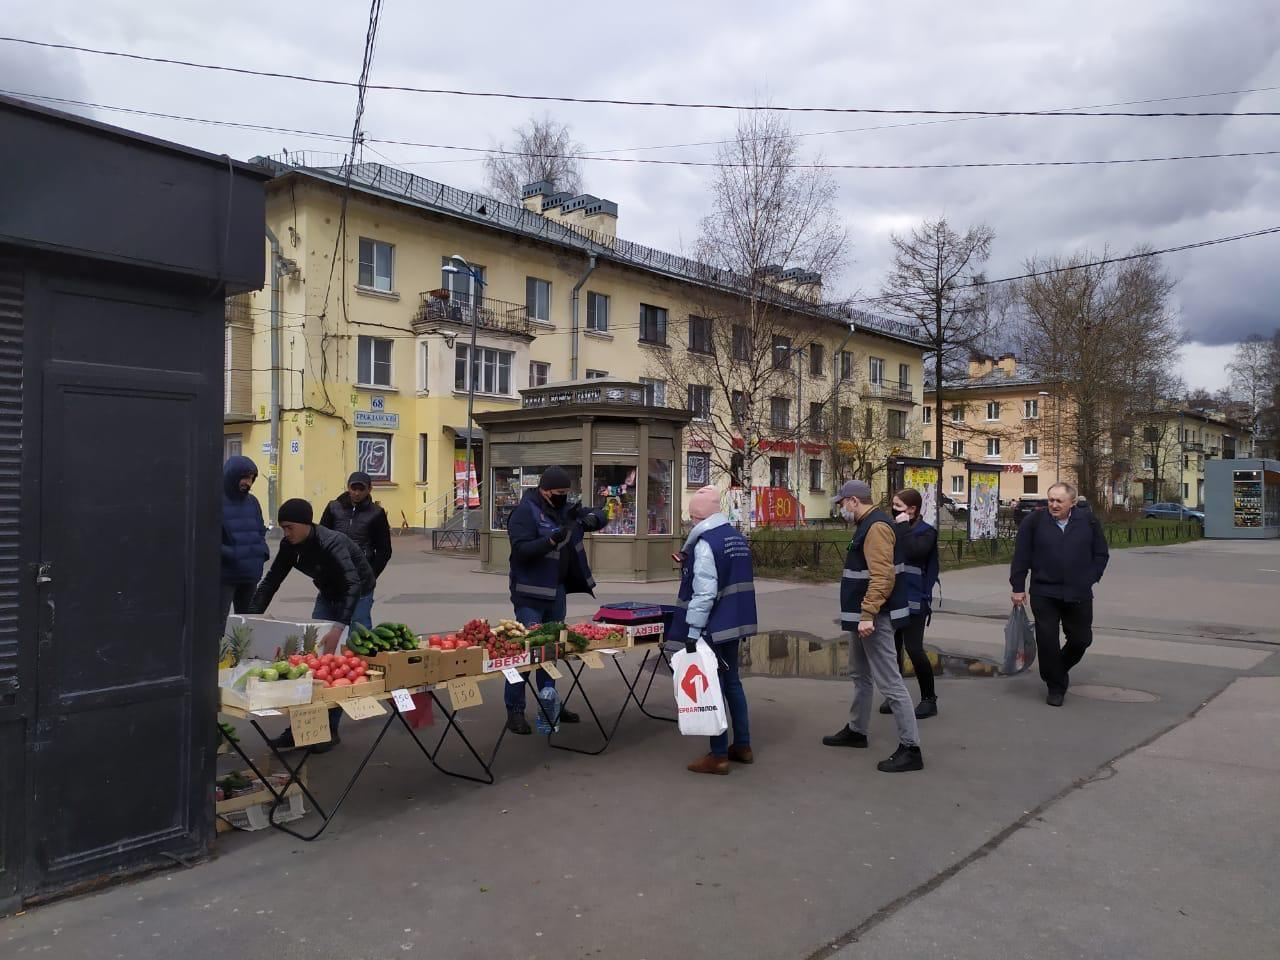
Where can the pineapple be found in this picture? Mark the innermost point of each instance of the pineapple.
(234, 646)
(310, 639)
(291, 645)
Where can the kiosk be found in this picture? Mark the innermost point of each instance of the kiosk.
(1242, 499)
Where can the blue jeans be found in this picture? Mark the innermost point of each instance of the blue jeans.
(326, 609)
(735, 699)
(529, 613)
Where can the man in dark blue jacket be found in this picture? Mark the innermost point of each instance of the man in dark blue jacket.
(244, 536)
(1066, 553)
(548, 561)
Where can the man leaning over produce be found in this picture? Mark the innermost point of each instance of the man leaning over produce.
(335, 565)
(548, 562)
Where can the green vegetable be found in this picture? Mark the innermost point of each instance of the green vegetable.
(270, 675)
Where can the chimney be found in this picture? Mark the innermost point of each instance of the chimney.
(803, 284)
(532, 194)
(1008, 363)
(980, 365)
(585, 212)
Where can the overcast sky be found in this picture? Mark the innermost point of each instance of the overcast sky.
(808, 52)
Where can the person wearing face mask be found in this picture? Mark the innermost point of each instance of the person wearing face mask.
(548, 562)
(920, 572)
(873, 601)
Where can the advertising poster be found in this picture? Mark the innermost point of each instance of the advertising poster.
(776, 506)
(984, 504)
(461, 486)
(925, 480)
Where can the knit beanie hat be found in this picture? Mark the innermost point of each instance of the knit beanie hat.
(704, 503)
(555, 478)
(294, 511)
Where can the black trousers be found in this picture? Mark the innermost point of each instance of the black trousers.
(910, 637)
(1075, 619)
(237, 595)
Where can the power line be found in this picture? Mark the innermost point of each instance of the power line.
(607, 101)
(656, 161)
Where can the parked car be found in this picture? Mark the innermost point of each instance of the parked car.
(1172, 511)
(1027, 505)
(957, 508)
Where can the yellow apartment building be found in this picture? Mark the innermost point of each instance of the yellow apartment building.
(1171, 447)
(355, 353)
(1001, 415)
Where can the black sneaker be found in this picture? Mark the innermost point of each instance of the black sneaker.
(568, 716)
(927, 707)
(885, 707)
(284, 742)
(845, 738)
(517, 724)
(905, 759)
(1055, 698)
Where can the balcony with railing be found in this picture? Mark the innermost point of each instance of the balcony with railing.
(1192, 446)
(437, 307)
(899, 391)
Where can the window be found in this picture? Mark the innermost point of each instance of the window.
(876, 372)
(700, 401)
(904, 375)
(655, 391)
(737, 465)
(490, 370)
(539, 373)
(373, 355)
(957, 484)
(537, 299)
(846, 423)
(1150, 435)
(232, 445)
(926, 415)
(697, 469)
(779, 471)
(1030, 483)
(1031, 447)
(373, 455)
(993, 447)
(846, 365)
(460, 284)
(700, 334)
(741, 342)
(1186, 463)
(781, 353)
(653, 324)
(993, 410)
(957, 448)
(596, 374)
(779, 413)
(422, 457)
(898, 424)
(1148, 461)
(815, 475)
(817, 360)
(597, 312)
(1186, 492)
(1030, 409)
(660, 499)
(817, 419)
(868, 426)
(740, 405)
(376, 261)
(422, 365)
(957, 414)
(926, 449)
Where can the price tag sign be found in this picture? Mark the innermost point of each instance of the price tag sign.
(310, 724)
(464, 692)
(362, 708)
(404, 700)
(592, 659)
(513, 676)
(552, 670)
(268, 713)
(609, 653)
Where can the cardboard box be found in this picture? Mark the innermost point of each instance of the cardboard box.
(616, 641)
(263, 695)
(403, 668)
(374, 684)
(448, 664)
(644, 633)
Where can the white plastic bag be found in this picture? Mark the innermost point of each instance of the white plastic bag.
(699, 702)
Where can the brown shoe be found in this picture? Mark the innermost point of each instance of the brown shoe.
(741, 754)
(711, 764)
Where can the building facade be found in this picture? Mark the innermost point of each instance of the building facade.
(1171, 449)
(358, 353)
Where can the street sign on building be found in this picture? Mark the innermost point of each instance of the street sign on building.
(370, 418)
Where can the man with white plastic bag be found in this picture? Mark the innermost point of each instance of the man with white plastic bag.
(715, 611)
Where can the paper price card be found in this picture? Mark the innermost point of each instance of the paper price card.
(362, 708)
(552, 670)
(592, 659)
(404, 700)
(513, 676)
(268, 713)
(464, 692)
(608, 653)
(310, 724)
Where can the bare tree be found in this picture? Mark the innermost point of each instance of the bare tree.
(936, 280)
(742, 352)
(1255, 379)
(1151, 429)
(1099, 331)
(541, 149)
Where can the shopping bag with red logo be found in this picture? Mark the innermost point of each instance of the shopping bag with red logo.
(699, 702)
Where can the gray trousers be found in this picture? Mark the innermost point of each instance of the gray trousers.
(875, 658)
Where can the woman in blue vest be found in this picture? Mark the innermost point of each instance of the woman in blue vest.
(920, 571)
(717, 603)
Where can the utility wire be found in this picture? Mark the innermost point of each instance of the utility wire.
(544, 98)
(590, 156)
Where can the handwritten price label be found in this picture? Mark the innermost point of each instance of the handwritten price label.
(404, 700)
(552, 671)
(592, 659)
(464, 692)
(268, 713)
(513, 676)
(608, 653)
(310, 724)
(362, 708)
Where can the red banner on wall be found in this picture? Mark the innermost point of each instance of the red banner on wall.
(776, 506)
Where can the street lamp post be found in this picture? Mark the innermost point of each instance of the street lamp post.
(472, 368)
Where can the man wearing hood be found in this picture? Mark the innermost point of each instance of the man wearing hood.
(717, 603)
(548, 562)
(244, 536)
(356, 514)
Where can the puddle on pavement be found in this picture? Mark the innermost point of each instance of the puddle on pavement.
(788, 654)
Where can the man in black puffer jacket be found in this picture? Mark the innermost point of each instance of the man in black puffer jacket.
(357, 515)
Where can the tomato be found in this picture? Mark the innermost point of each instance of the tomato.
(451, 637)
(448, 645)
(294, 660)
(342, 682)
(323, 674)
(354, 661)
